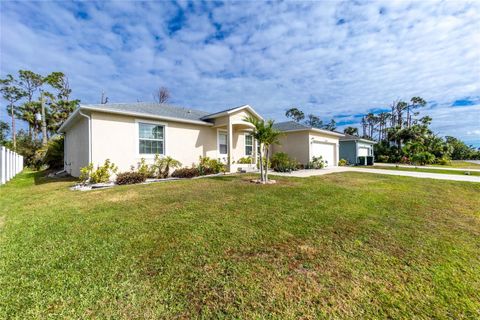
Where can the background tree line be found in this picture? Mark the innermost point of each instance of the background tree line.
(403, 136)
(35, 100)
(311, 120)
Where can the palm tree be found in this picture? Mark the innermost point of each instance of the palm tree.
(266, 136)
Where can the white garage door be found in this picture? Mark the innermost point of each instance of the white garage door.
(327, 151)
(362, 152)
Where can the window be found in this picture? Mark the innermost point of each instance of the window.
(151, 138)
(248, 144)
(223, 142)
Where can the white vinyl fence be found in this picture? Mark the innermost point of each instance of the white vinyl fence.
(11, 163)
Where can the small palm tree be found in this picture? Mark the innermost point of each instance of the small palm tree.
(163, 165)
(266, 136)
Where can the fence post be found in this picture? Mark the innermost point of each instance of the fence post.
(2, 165)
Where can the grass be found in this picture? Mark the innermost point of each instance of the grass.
(347, 245)
(460, 164)
(420, 169)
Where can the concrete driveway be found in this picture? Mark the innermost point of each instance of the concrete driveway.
(427, 175)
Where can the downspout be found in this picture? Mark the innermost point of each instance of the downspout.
(89, 135)
(356, 152)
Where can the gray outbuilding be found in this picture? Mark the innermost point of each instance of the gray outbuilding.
(353, 147)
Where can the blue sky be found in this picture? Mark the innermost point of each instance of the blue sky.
(335, 59)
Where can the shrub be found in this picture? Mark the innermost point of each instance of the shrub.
(130, 178)
(210, 166)
(281, 162)
(383, 158)
(444, 161)
(423, 158)
(404, 160)
(245, 160)
(162, 166)
(316, 163)
(100, 175)
(342, 162)
(186, 173)
(53, 153)
(145, 169)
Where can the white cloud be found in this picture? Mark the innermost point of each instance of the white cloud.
(328, 58)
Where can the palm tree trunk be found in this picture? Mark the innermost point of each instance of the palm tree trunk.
(266, 164)
(261, 163)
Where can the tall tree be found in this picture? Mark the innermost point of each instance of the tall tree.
(415, 102)
(295, 114)
(59, 104)
(332, 125)
(30, 82)
(4, 130)
(313, 121)
(161, 95)
(351, 131)
(12, 93)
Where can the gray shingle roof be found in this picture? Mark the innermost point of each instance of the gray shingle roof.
(162, 110)
(290, 125)
(350, 137)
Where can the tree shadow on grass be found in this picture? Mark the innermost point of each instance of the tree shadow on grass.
(41, 177)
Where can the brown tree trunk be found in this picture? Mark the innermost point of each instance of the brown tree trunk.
(14, 133)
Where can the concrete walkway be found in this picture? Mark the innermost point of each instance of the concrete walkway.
(424, 167)
(427, 175)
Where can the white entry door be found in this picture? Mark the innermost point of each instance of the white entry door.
(326, 150)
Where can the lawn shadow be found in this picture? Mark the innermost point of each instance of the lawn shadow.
(40, 177)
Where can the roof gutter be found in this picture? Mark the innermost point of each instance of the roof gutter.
(315, 130)
(147, 115)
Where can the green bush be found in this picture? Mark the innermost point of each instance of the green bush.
(281, 162)
(316, 163)
(186, 173)
(245, 160)
(444, 161)
(210, 166)
(423, 158)
(383, 158)
(130, 178)
(147, 170)
(53, 157)
(100, 175)
(162, 166)
(342, 162)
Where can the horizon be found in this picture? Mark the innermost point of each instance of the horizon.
(335, 60)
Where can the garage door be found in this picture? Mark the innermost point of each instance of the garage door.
(327, 151)
(362, 152)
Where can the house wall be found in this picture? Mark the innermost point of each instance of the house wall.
(76, 147)
(115, 137)
(295, 144)
(325, 138)
(348, 151)
(369, 146)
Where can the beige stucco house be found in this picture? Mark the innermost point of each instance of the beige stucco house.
(127, 132)
(303, 142)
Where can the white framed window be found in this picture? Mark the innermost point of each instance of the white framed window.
(151, 138)
(248, 144)
(222, 142)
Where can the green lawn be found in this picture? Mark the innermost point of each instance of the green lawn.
(461, 164)
(420, 169)
(347, 245)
